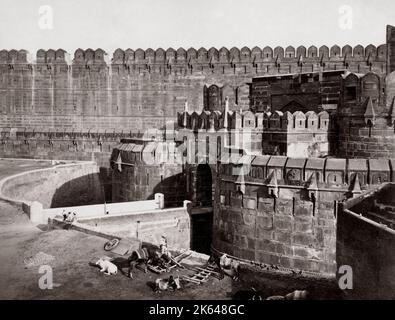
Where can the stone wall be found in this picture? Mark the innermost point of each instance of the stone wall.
(141, 169)
(150, 226)
(139, 87)
(359, 141)
(282, 232)
(59, 186)
(368, 250)
(282, 211)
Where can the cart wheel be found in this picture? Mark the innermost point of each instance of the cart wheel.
(111, 244)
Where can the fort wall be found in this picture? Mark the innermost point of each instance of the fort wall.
(138, 88)
(60, 186)
(148, 226)
(283, 211)
(134, 178)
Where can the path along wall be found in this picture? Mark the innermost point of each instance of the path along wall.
(63, 185)
(42, 215)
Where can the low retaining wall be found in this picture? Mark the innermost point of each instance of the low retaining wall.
(58, 186)
(369, 250)
(147, 226)
(42, 215)
(368, 247)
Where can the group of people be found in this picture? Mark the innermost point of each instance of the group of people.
(160, 257)
(141, 258)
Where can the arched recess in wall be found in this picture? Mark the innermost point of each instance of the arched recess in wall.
(293, 106)
(205, 97)
(213, 98)
(370, 87)
(350, 88)
(203, 192)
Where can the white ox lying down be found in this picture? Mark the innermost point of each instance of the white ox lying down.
(107, 267)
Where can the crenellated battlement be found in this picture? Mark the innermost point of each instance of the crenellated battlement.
(296, 122)
(277, 121)
(132, 90)
(366, 115)
(313, 174)
(299, 55)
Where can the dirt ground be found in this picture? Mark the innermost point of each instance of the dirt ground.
(74, 278)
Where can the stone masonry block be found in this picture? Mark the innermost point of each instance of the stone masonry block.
(283, 237)
(264, 223)
(249, 203)
(303, 239)
(266, 205)
(303, 226)
(248, 218)
(282, 223)
(303, 208)
(268, 258)
(308, 253)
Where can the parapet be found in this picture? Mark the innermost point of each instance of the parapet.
(368, 99)
(296, 122)
(213, 55)
(90, 56)
(314, 173)
(267, 121)
(146, 153)
(54, 56)
(14, 56)
(254, 55)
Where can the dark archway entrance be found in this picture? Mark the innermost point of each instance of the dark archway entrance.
(202, 211)
(203, 186)
(294, 106)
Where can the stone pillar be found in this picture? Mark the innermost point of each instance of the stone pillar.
(36, 212)
(160, 200)
(188, 205)
(390, 49)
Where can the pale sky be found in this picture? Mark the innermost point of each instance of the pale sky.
(109, 24)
